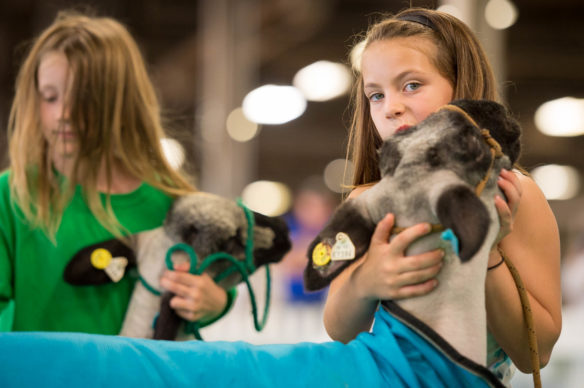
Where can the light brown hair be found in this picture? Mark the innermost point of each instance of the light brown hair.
(113, 109)
(461, 60)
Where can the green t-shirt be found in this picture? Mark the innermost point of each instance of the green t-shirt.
(33, 293)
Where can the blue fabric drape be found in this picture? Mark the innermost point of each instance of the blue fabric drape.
(392, 355)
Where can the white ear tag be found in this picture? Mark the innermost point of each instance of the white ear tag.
(116, 268)
(343, 248)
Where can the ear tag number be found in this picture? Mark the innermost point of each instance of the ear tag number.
(116, 268)
(343, 248)
(321, 254)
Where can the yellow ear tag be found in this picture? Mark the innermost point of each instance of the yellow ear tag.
(321, 254)
(100, 258)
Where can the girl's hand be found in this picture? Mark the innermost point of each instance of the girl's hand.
(511, 187)
(196, 296)
(386, 273)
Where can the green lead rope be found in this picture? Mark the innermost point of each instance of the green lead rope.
(245, 269)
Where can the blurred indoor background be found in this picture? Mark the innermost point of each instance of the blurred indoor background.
(214, 61)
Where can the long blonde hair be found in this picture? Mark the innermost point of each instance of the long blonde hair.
(460, 59)
(113, 109)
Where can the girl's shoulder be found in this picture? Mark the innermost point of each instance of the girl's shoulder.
(358, 190)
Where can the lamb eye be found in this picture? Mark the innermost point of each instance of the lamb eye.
(433, 157)
(190, 233)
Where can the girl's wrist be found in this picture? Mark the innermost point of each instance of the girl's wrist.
(495, 257)
(357, 286)
(230, 295)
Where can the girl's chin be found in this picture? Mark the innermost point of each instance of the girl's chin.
(62, 157)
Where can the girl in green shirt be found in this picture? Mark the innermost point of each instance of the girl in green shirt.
(86, 165)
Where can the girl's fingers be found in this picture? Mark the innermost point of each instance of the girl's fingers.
(179, 285)
(382, 230)
(403, 240)
(416, 289)
(417, 276)
(185, 313)
(422, 261)
(510, 185)
(182, 266)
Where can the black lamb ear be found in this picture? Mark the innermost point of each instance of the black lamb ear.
(501, 124)
(281, 243)
(355, 226)
(459, 209)
(80, 271)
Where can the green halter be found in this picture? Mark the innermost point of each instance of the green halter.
(245, 268)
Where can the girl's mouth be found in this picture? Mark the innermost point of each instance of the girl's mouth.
(67, 135)
(402, 128)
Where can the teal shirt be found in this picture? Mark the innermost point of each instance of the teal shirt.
(498, 361)
(33, 293)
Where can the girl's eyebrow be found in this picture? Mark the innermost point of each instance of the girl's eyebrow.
(397, 79)
(371, 85)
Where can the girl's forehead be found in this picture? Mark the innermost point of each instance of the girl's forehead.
(391, 54)
(53, 68)
(421, 44)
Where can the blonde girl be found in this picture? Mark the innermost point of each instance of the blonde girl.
(86, 165)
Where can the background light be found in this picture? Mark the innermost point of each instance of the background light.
(356, 55)
(335, 176)
(239, 127)
(500, 14)
(557, 182)
(266, 197)
(561, 117)
(173, 151)
(323, 80)
(273, 104)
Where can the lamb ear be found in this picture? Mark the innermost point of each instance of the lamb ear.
(459, 209)
(281, 243)
(356, 225)
(500, 122)
(80, 270)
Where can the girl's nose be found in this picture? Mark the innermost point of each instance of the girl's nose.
(65, 113)
(394, 108)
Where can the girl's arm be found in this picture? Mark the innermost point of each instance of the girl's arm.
(384, 272)
(534, 248)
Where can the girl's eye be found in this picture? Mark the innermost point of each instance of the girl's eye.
(376, 97)
(412, 86)
(50, 98)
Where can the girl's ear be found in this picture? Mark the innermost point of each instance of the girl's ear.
(100, 263)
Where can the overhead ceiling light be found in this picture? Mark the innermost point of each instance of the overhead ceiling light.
(500, 14)
(273, 104)
(337, 175)
(239, 127)
(268, 198)
(561, 117)
(357, 54)
(557, 182)
(173, 152)
(323, 80)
